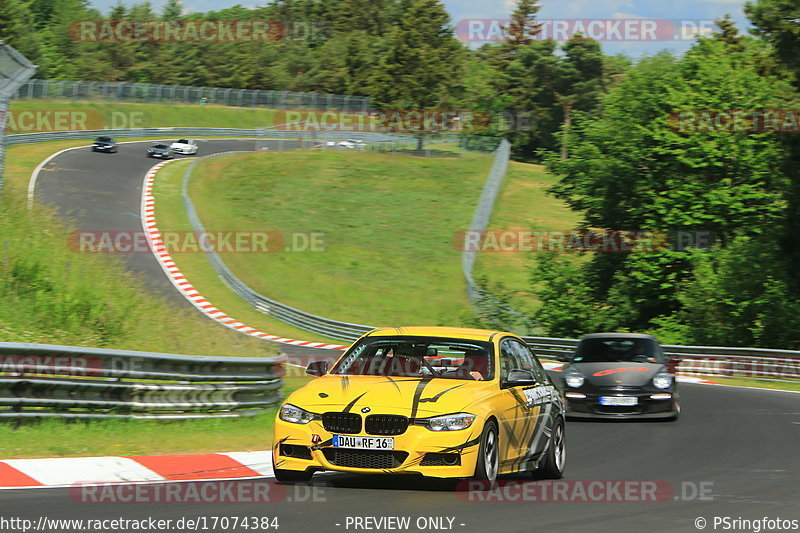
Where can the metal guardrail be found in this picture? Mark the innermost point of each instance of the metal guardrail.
(15, 70)
(480, 219)
(150, 92)
(316, 324)
(323, 326)
(192, 132)
(711, 361)
(41, 380)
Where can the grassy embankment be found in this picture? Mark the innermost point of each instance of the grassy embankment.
(51, 295)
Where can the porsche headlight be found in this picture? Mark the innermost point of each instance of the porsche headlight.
(295, 415)
(662, 380)
(573, 378)
(450, 422)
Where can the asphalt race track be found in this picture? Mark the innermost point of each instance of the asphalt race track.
(738, 446)
(103, 192)
(734, 452)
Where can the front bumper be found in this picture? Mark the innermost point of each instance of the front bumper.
(417, 451)
(102, 148)
(159, 156)
(646, 407)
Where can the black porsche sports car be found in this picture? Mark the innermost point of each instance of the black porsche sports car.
(617, 375)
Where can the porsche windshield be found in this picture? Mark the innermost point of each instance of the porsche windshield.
(419, 357)
(617, 350)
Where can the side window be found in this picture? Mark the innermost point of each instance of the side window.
(508, 359)
(538, 370)
(523, 356)
(528, 361)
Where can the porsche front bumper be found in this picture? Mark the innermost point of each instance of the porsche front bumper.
(646, 406)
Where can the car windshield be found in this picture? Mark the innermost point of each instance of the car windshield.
(617, 350)
(418, 357)
(183, 141)
(161, 146)
(105, 140)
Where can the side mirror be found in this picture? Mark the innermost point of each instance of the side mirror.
(520, 378)
(317, 368)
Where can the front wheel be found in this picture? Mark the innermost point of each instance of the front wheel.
(488, 455)
(552, 466)
(286, 476)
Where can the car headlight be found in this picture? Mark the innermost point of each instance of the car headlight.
(662, 380)
(450, 422)
(574, 378)
(295, 415)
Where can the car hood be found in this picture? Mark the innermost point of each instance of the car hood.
(412, 397)
(618, 374)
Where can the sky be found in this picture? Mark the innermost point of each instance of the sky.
(663, 20)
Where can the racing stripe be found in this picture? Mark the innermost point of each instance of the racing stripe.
(351, 404)
(393, 382)
(460, 447)
(417, 395)
(435, 398)
(541, 430)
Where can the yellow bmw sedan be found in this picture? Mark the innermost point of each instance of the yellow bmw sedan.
(441, 402)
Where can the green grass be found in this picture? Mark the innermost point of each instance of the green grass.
(58, 438)
(792, 385)
(52, 294)
(107, 115)
(390, 222)
(523, 205)
(171, 217)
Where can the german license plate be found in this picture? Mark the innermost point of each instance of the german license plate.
(622, 401)
(363, 443)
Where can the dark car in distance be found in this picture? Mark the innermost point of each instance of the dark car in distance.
(620, 375)
(161, 151)
(105, 144)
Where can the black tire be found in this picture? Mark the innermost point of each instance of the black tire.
(552, 466)
(488, 463)
(288, 476)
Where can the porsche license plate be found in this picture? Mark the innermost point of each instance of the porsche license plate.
(363, 443)
(623, 401)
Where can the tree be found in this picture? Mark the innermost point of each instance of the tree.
(775, 21)
(729, 34)
(16, 22)
(522, 29)
(173, 9)
(422, 68)
(636, 168)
